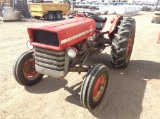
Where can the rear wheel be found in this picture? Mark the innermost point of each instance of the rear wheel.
(58, 15)
(94, 86)
(122, 43)
(24, 70)
(50, 16)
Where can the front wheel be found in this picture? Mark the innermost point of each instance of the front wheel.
(94, 86)
(122, 43)
(24, 70)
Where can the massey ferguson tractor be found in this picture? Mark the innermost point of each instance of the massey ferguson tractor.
(62, 47)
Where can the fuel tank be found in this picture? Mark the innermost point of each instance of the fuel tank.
(63, 34)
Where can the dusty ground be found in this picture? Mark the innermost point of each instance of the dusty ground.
(133, 93)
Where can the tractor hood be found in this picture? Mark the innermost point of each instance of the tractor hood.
(63, 34)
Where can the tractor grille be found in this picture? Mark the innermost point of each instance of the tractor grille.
(49, 59)
(45, 37)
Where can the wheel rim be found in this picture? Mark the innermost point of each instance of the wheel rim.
(99, 87)
(58, 16)
(129, 47)
(29, 70)
(51, 16)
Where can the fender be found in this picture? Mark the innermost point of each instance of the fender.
(115, 22)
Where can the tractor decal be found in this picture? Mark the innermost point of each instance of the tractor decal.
(76, 36)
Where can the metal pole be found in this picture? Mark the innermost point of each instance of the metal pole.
(157, 4)
(13, 4)
(30, 11)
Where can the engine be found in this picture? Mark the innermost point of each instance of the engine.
(60, 46)
(61, 35)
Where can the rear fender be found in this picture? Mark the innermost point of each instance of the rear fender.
(114, 22)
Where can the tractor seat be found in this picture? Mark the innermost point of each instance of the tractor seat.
(100, 19)
(100, 22)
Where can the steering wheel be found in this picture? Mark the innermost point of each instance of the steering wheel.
(88, 14)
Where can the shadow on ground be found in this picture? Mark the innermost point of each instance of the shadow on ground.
(47, 85)
(124, 95)
(125, 92)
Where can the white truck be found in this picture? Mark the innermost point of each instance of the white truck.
(150, 6)
(127, 9)
(121, 9)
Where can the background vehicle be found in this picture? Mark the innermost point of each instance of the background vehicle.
(63, 47)
(76, 4)
(127, 9)
(80, 4)
(145, 7)
(149, 6)
(93, 5)
(22, 6)
(7, 12)
(156, 17)
(86, 4)
(101, 5)
(49, 11)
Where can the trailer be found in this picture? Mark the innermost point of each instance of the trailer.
(49, 11)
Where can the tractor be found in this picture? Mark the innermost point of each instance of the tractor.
(62, 47)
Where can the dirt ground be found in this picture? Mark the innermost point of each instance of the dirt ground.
(132, 93)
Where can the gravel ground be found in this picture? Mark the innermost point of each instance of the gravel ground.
(132, 93)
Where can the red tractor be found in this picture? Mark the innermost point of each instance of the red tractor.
(62, 47)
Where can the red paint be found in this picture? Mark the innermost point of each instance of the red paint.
(65, 29)
(29, 70)
(96, 87)
(114, 22)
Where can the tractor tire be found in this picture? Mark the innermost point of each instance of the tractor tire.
(24, 70)
(50, 16)
(94, 86)
(122, 43)
(58, 15)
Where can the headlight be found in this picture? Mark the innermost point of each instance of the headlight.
(72, 52)
(29, 45)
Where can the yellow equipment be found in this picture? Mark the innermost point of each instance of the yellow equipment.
(49, 11)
